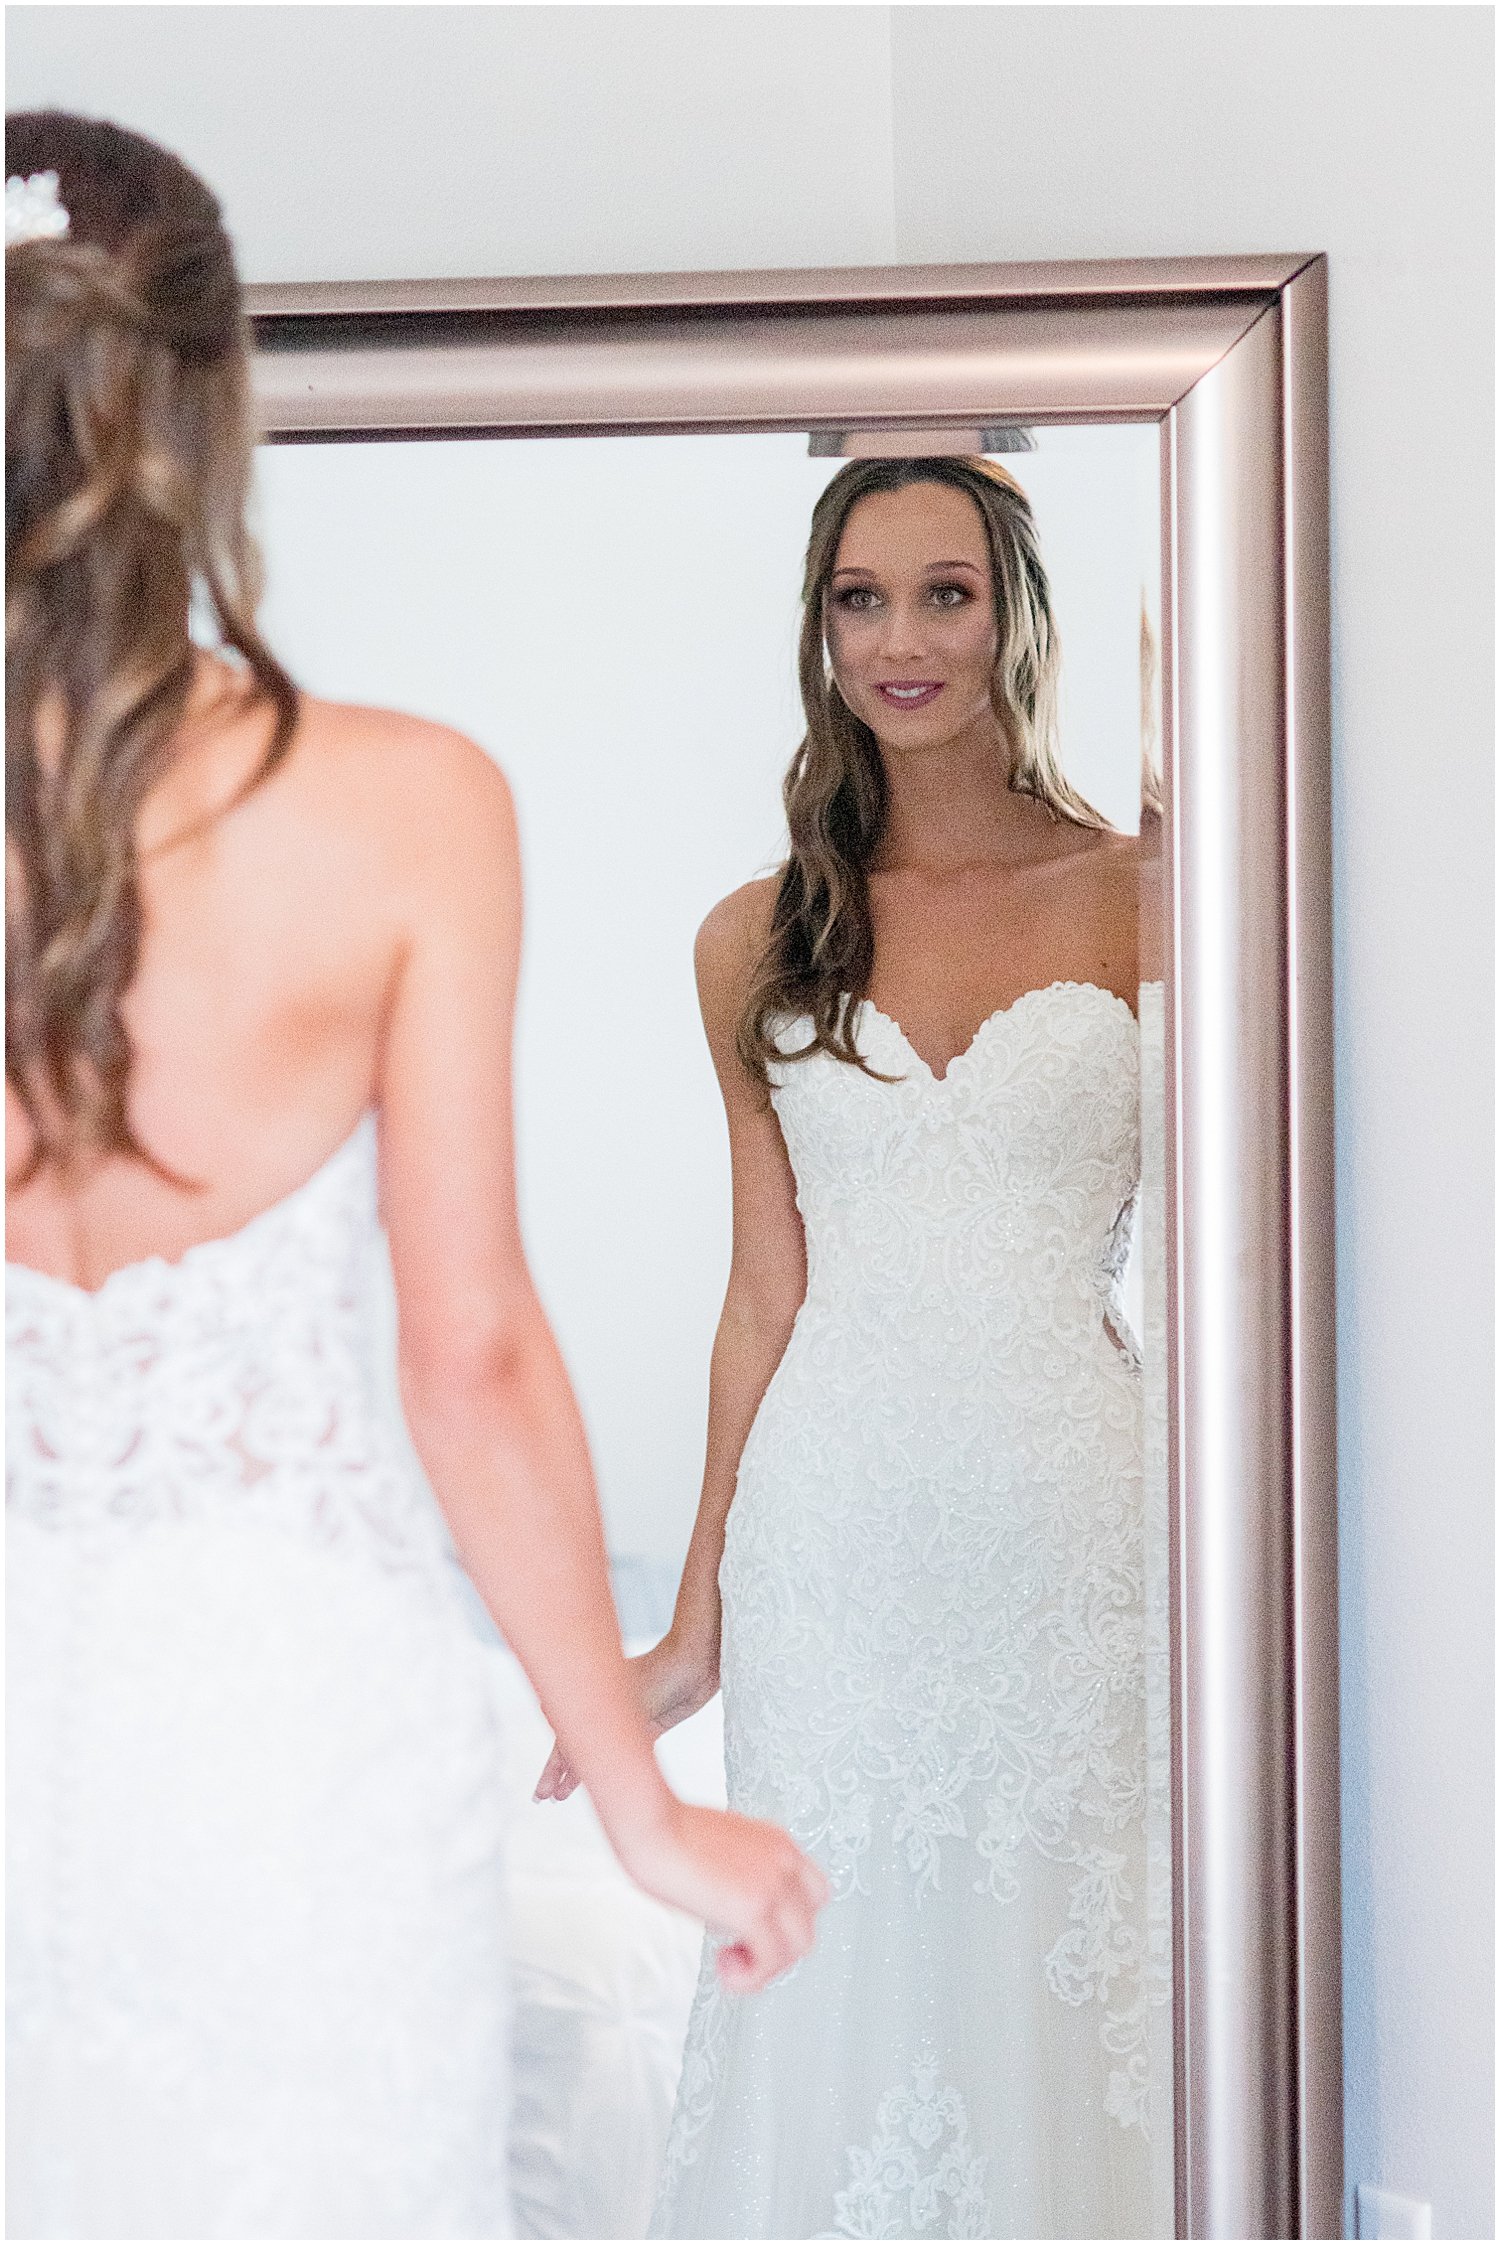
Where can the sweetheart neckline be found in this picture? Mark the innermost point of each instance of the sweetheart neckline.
(195, 1249)
(1000, 1013)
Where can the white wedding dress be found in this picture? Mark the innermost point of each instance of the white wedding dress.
(935, 1667)
(258, 1981)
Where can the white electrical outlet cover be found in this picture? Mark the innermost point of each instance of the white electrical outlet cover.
(1383, 2213)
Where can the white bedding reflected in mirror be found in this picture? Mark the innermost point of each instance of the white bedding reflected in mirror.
(616, 621)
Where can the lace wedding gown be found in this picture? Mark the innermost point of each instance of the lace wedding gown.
(935, 1668)
(257, 1973)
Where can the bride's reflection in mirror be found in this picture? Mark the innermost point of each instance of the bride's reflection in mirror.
(918, 1569)
(946, 1578)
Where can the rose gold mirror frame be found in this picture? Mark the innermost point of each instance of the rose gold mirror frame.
(1228, 356)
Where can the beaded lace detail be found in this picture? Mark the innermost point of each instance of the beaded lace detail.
(257, 1979)
(239, 1376)
(953, 1440)
(918, 2176)
(934, 1667)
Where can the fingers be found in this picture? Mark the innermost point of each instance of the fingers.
(793, 1926)
(781, 1936)
(737, 1969)
(557, 1780)
(805, 1891)
(772, 1948)
(745, 1967)
(814, 1882)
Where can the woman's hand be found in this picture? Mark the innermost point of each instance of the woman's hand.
(673, 1680)
(746, 1880)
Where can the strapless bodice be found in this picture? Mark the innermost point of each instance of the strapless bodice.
(302, 1247)
(1008, 1180)
(241, 1377)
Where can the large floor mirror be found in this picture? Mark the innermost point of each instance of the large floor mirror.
(1116, 1844)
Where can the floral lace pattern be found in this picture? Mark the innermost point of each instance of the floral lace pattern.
(256, 1847)
(932, 1575)
(919, 2171)
(238, 1377)
(934, 1648)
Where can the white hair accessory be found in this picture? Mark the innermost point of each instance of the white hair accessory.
(34, 210)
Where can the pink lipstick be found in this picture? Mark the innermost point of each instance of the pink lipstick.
(913, 693)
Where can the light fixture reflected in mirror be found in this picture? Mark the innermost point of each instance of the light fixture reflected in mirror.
(919, 444)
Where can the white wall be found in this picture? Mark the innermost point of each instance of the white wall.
(376, 140)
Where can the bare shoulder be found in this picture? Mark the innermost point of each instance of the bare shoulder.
(401, 762)
(1093, 850)
(1115, 862)
(732, 938)
(729, 944)
(426, 800)
(1098, 867)
(1088, 896)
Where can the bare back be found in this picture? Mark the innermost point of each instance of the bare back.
(280, 937)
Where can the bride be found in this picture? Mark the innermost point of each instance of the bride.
(918, 1559)
(262, 958)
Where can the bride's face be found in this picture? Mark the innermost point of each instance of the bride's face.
(910, 616)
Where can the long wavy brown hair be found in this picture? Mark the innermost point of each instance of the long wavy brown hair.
(820, 951)
(128, 443)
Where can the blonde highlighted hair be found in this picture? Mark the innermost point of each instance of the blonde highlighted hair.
(820, 952)
(128, 443)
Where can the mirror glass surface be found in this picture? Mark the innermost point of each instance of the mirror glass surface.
(616, 620)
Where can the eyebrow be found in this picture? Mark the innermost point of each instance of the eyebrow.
(855, 569)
